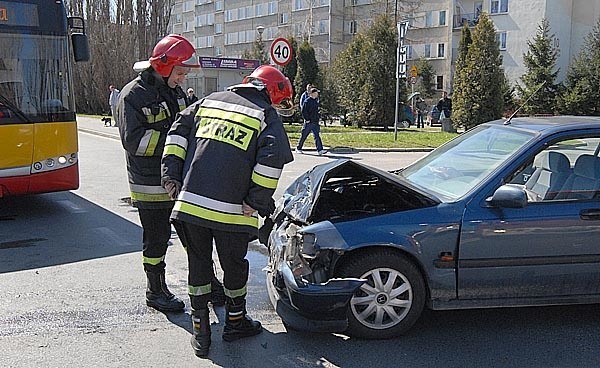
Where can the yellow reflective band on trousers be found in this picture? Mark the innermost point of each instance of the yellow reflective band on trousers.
(226, 132)
(146, 197)
(199, 290)
(248, 121)
(153, 261)
(224, 218)
(172, 149)
(263, 181)
(235, 293)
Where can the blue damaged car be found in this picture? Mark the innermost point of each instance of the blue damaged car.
(506, 214)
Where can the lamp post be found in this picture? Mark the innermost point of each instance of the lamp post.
(259, 45)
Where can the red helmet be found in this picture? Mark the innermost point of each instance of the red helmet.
(278, 86)
(171, 51)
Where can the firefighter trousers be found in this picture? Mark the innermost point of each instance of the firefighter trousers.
(156, 227)
(231, 249)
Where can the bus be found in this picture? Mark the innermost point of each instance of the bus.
(38, 129)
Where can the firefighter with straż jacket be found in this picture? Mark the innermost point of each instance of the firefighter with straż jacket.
(145, 111)
(239, 150)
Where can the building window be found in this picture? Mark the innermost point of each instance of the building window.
(427, 50)
(499, 6)
(218, 28)
(260, 10)
(323, 26)
(299, 5)
(188, 6)
(501, 39)
(352, 27)
(219, 5)
(441, 49)
(218, 51)
(409, 52)
(442, 18)
(284, 18)
(178, 18)
(429, 19)
(439, 82)
(272, 7)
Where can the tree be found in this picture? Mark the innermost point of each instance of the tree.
(540, 62)
(480, 93)
(258, 51)
(291, 69)
(462, 112)
(425, 83)
(120, 33)
(366, 74)
(581, 95)
(308, 69)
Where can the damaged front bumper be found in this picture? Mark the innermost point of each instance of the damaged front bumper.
(301, 304)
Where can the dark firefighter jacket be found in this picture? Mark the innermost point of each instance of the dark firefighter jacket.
(145, 112)
(237, 147)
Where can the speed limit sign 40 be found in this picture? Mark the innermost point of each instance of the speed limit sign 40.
(281, 51)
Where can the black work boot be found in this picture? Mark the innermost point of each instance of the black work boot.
(158, 295)
(217, 297)
(201, 339)
(237, 324)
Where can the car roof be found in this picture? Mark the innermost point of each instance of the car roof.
(551, 124)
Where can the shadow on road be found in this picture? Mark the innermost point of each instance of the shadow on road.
(58, 228)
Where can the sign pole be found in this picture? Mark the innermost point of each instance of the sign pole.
(400, 69)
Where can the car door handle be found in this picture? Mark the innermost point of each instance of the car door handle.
(591, 214)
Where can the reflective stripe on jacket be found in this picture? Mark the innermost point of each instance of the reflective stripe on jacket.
(236, 147)
(146, 110)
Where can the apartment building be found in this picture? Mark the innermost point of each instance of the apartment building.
(225, 29)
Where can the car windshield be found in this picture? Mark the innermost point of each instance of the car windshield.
(453, 169)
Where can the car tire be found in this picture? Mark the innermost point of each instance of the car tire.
(391, 300)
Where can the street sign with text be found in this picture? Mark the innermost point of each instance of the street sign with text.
(281, 51)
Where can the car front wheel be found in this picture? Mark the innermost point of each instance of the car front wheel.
(391, 300)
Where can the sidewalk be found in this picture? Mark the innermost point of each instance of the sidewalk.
(96, 126)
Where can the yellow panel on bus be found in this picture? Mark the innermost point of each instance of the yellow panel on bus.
(16, 145)
(54, 139)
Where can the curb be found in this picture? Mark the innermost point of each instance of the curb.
(335, 150)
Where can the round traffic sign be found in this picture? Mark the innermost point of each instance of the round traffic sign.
(281, 51)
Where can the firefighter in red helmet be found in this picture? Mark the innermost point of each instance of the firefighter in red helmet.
(238, 147)
(145, 111)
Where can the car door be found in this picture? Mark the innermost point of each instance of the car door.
(547, 249)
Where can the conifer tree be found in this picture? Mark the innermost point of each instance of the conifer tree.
(481, 92)
(540, 62)
(366, 72)
(581, 95)
(462, 112)
(425, 84)
(308, 69)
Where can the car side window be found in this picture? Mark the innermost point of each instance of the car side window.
(566, 170)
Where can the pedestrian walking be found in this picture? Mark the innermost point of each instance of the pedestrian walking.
(113, 99)
(241, 148)
(146, 110)
(191, 96)
(310, 113)
(305, 95)
(421, 107)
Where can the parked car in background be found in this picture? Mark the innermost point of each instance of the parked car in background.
(506, 214)
(434, 117)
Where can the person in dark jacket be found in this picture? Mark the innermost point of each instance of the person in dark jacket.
(146, 109)
(310, 113)
(191, 96)
(238, 147)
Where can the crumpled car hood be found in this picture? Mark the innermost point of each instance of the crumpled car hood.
(344, 180)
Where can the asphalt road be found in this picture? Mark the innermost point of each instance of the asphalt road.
(72, 295)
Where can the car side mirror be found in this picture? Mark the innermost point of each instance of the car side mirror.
(508, 196)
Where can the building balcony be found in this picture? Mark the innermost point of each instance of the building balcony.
(460, 19)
